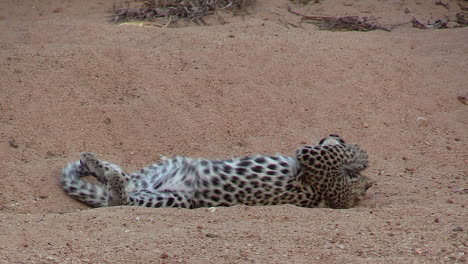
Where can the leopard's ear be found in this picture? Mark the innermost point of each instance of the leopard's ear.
(332, 139)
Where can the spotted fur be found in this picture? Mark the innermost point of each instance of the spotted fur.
(326, 175)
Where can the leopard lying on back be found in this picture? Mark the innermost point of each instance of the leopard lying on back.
(325, 175)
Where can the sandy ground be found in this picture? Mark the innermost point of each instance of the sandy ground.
(70, 81)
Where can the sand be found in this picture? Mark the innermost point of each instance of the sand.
(71, 81)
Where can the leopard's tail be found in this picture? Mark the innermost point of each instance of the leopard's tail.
(95, 195)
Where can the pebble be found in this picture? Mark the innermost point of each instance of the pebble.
(13, 143)
(458, 229)
(365, 125)
(421, 121)
(463, 99)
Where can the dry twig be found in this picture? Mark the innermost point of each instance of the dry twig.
(194, 10)
(462, 19)
(440, 23)
(442, 4)
(352, 23)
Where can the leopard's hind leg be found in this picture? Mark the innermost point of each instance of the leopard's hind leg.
(97, 168)
(109, 174)
(92, 194)
(116, 184)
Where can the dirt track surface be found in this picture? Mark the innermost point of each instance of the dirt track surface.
(70, 81)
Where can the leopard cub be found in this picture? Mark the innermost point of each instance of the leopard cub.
(324, 175)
